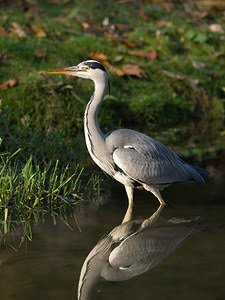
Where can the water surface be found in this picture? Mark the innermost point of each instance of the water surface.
(49, 266)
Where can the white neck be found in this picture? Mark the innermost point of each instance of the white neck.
(93, 134)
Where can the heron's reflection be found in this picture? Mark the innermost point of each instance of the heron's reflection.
(133, 248)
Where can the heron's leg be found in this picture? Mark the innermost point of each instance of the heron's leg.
(130, 193)
(128, 215)
(154, 217)
(155, 192)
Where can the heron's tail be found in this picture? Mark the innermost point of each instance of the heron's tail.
(202, 172)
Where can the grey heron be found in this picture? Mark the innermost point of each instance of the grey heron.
(133, 248)
(132, 158)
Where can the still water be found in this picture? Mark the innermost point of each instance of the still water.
(49, 266)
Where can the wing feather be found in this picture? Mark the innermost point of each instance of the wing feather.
(143, 250)
(147, 160)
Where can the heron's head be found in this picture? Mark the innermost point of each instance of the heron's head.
(90, 69)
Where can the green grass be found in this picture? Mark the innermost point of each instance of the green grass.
(54, 101)
(28, 192)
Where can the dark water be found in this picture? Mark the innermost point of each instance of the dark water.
(49, 266)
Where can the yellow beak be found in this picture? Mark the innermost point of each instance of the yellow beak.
(67, 71)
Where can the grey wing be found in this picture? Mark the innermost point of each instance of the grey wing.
(148, 161)
(144, 250)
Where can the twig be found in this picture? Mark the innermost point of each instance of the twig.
(192, 81)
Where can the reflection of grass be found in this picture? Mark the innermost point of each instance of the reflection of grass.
(28, 192)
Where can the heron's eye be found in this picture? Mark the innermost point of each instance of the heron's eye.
(86, 68)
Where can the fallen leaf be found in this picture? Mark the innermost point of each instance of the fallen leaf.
(113, 37)
(18, 30)
(133, 70)
(125, 1)
(115, 70)
(165, 4)
(181, 29)
(124, 27)
(162, 23)
(9, 83)
(118, 58)
(210, 4)
(129, 43)
(3, 31)
(117, 38)
(149, 55)
(85, 25)
(36, 10)
(216, 28)
(99, 56)
(5, 17)
(39, 32)
(198, 15)
(39, 53)
(60, 1)
(144, 16)
(88, 27)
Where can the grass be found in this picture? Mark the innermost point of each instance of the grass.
(180, 100)
(158, 99)
(28, 192)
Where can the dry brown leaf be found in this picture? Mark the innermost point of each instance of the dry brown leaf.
(113, 37)
(144, 16)
(115, 70)
(39, 53)
(162, 23)
(18, 30)
(3, 31)
(9, 83)
(125, 1)
(88, 27)
(165, 4)
(60, 1)
(149, 55)
(198, 15)
(128, 70)
(210, 4)
(118, 58)
(124, 27)
(39, 32)
(116, 38)
(5, 17)
(85, 25)
(99, 56)
(216, 28)
(181, 29)
(129, 43)
(133, 70)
